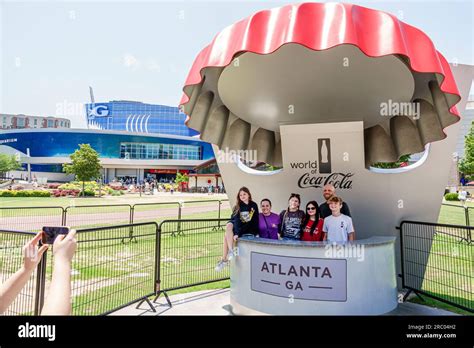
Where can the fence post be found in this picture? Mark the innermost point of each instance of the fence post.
(219, 215)
(402, 266)
(158, 290)
(40, 284)
(179, 218)
(63, 218)
(466, 215)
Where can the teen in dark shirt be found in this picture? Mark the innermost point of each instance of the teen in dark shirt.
(244, 220)
(291, 219)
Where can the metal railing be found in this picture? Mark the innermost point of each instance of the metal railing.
(437, 260)
(188, 255)
(11, 260)
(116, 266)
(87, 216)
(30, 218)
(456, 214)
(108, 272)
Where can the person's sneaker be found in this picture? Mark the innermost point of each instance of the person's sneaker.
(220, 265)
(230, 255)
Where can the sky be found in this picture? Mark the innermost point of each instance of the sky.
(52, 51)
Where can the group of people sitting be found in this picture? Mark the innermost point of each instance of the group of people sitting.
(331, 221)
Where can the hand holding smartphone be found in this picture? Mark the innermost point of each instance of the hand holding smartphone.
(51, 232)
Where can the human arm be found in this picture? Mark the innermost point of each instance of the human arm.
(58, 301)
(32, 255)
(351, 235)
(325, 231)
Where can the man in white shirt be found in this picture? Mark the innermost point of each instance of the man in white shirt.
(337, 227)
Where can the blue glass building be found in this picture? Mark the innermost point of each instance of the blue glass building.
(139, 117)
(122, 154)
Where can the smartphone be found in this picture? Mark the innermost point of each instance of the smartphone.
(50, 233)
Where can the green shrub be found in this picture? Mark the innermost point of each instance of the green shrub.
(116, 193)
(25, 193)
(8, 193)
(88, 193)
(37, 193)
(77, 185)
(451, 196)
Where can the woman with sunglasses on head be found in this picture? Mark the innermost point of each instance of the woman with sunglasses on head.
(313, 224)
(291, 219)
(244, 221)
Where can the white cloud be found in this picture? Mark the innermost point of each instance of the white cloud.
(130, 61)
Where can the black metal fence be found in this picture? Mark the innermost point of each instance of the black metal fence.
(30, 218)
(116, 266)
(189, 253)
(110, 270)
(87, 216)
(11, 260)
(438, 261)
(453, 214)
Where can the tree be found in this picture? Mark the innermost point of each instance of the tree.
(466, 165)
(85, 165)
(8, 163)
(180, 178)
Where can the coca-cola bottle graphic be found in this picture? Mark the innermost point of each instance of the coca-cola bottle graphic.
(324, 155)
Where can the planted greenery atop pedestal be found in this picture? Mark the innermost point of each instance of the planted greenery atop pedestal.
(85, 165)
(402, 162)
(8, 163)
(466, 165)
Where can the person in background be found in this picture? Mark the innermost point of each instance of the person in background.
(312, 224)
(463, 180)
(244, 221)
(58, 301)
(338, 227)
(328, 191)
(291, 219)
(268, 222)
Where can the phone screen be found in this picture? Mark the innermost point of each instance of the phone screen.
(50, 233)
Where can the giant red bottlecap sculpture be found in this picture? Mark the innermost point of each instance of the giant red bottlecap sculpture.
(319, 63)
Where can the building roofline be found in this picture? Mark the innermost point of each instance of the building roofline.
(36, 116)
(98, 131)
(205, 163)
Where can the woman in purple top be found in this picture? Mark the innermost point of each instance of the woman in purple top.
(268, 222)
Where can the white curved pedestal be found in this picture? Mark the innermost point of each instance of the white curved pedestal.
(314, 278)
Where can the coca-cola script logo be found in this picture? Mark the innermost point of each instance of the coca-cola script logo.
(318, 178)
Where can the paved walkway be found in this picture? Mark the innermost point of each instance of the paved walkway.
(216, 302)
